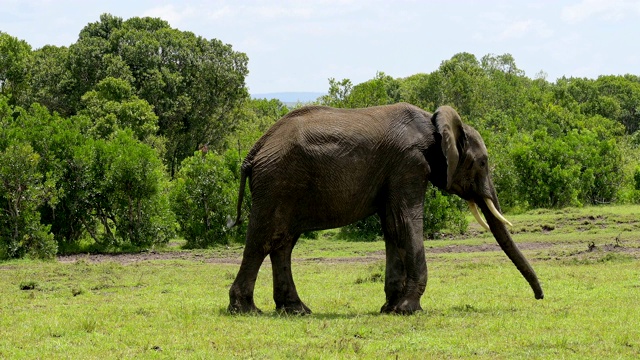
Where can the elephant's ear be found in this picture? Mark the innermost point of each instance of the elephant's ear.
(449, 126)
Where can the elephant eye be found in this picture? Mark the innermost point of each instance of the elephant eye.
(483, 163)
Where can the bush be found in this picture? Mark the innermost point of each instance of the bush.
(23, 190)
(137, 186)
(443, 211)
(125, 191)
(631, 194)
(568, 170)
(202, 198)
(368, 229)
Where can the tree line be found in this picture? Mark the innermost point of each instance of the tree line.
(134, 134)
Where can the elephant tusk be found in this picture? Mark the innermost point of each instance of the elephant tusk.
(474, 210)
(495, 212)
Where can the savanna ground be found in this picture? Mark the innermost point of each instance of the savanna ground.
(171, 303)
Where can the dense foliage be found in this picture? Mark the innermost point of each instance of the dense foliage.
(193, 84)
(135, 133)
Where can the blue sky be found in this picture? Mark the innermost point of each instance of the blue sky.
(298, 45)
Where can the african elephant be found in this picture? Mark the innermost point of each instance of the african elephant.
(320, 168)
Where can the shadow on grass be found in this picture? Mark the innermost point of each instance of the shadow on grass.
(320, 316)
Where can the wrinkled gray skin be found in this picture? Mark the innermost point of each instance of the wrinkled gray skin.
(320, 168)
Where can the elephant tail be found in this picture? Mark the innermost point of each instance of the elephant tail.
(245, 170)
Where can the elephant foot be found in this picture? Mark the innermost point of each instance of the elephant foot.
(237, 308)
(387, 308)
(241, 304)
(402, 307)
(298, 308)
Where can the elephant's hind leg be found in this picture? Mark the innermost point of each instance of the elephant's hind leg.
(285, 294)
(241, 292)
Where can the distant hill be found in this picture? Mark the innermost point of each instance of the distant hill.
(290, 97)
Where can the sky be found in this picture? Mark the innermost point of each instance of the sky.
(296, 46)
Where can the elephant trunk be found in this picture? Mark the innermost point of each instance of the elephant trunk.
(502, 236)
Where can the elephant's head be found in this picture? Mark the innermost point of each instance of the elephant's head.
(467, 175)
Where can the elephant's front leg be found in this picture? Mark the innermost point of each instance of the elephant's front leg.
(285, 294)
(406, 275)
(395, 276)
(416, 283)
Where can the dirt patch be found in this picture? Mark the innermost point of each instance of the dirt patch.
(484, 248)
(236, 259)
(149, 256)
(616, 247)
(372, 257)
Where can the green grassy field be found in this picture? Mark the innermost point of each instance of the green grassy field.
(172, 304)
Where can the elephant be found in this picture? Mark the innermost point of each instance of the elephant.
(320, 167)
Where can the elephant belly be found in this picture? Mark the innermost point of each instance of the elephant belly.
(317, 197)
(333, 208)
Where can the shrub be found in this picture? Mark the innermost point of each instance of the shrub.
(137, 186)
(126, 192)
(23, 190)
(443, 211)
(567, 170)
(202, 198)
(368, 229)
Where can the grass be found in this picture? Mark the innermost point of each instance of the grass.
(476, 305)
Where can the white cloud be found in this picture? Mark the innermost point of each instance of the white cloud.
(281, 12)
(525, 28)
(603, 9)
(517, 29)
(222, 13)
(171, 13)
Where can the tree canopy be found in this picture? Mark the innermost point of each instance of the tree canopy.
(193, 84)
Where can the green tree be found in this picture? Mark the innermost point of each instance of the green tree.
(613, 97)
(114, 189)
(194, 85)
(547, 177)
(254, 119)
(113, 106)
(381, 90)
(50, 83)
(463, 82)
(421, 90)
(504, 88)
(620, 96)
(338, 93)
(14, 54)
